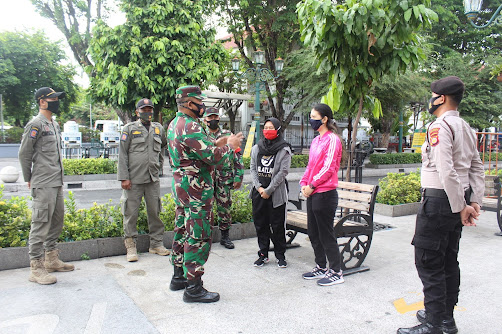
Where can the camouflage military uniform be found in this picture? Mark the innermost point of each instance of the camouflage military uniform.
(192, 155)
(227, 172)
(140, 156)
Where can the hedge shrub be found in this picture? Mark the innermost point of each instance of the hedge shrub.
(15, 221)
(98, 221)
(399, 188)
(89, 166)
(395, 158)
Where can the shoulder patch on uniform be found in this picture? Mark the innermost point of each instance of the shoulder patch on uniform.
(434, 136)
(124, 136)
(33, 132)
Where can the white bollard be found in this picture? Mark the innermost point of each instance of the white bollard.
(9, 174)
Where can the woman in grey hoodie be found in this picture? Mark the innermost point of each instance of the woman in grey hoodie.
(270, 162)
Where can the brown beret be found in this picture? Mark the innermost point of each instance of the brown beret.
(451, 85)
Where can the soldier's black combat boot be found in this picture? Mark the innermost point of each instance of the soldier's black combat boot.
(225, 240)
(426, 328)
(195, 293)
(178, 282)
(447, 324)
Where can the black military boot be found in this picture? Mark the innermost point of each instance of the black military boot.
(426, 328)
(195, 293)
(447, 324)
(225, 240)
(178, 282)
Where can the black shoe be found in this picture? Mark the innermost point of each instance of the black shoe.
(225, 240)
(281, 263)
(447, 324)
(178, 282)
(262, 259)
(195, 293)
(426, 328)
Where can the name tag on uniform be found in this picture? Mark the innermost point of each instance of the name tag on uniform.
(47, 133)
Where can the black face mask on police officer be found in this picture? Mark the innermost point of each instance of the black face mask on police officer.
(213, 124)
(53, 106)
(432, 108)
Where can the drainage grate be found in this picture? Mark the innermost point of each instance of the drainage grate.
(74, 185)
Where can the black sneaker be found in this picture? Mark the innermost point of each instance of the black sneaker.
(316, 273)
(331, 278)
(281, 263)
(261, 261)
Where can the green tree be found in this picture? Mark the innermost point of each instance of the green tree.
(480, 106)
(272, 27)
(74, 19)
(357, 42)
(162, 45)
(395, 93)
(454, 32)
(28, 62)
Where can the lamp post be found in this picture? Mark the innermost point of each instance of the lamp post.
(472, 9)
(259, 75)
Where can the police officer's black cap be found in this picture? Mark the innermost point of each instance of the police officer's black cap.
(451, 85)
(47, 92)
(144, 103)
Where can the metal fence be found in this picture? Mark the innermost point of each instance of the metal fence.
(490, 145)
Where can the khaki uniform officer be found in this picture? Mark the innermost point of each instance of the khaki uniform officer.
(453, 187)
(42, 165)
(140, 157)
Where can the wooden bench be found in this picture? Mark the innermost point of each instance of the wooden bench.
(353, 223)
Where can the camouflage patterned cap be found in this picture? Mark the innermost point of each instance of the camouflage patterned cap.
(211, 111)
(190, 91)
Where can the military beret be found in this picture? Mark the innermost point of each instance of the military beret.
(451, 85)
(211, 111)
(190, 91)
(144, 103)
(47, 92)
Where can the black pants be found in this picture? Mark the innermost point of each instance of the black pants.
(436, 241)
(321, 208)
(270, 223)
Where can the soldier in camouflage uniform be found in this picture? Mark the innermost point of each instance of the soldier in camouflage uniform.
(193, 156)
(228, 175)
(140, 160)
(42, 166)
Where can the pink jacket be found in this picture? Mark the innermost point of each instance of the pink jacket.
(324, 162)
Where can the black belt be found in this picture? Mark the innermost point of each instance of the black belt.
(440, 193)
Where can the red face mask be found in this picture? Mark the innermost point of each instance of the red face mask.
(270, 134)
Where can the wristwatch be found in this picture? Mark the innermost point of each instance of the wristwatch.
(311, 186)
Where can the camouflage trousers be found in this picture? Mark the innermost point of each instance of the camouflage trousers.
(223, 200)
(192, 231)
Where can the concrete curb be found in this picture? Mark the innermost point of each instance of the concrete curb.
(17, 257)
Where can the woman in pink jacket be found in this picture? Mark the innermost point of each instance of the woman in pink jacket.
(318, 185)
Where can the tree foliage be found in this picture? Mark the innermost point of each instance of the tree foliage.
(28, 62)
(74, 19)
(357, 42)
(162, 45)
(270, 26)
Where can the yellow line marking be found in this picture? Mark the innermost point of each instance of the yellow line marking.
(402, 307)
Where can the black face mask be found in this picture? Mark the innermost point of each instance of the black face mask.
(213, 124)
(432, 108)
(201, 109)
(53, 106)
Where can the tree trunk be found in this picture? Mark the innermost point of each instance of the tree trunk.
(385, 139)
(124, 116)
(354, 137)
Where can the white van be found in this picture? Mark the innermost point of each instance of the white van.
(100, 125)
